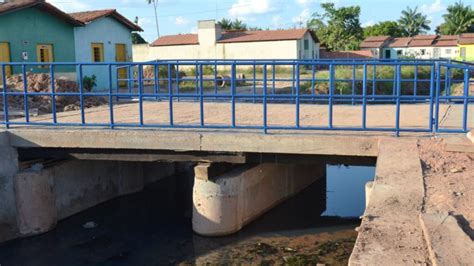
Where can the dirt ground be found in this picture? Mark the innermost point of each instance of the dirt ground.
(449, 182)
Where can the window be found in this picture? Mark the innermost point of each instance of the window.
(399, 52)
(463, 53)
(97, 52)
(306, 44)
(422, 51)
(448, 51)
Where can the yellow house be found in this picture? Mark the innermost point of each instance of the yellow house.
(466, 47)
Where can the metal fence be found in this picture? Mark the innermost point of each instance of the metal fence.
(329, 83)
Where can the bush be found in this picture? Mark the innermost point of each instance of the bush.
(89, 83)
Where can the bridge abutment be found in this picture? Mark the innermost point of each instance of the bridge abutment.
(225, 203)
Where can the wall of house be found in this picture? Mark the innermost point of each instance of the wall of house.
(313, 49)
(469, 52)
(243, 50)
(109, 32)
(417, 52)
(447, 52)
(26, 28)
(394, 53)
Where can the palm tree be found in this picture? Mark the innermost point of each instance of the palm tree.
(226, 24)
(459, 19)
(155, 6)
(239, 25)
(413, 22)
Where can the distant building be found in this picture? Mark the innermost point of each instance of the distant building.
(418, 47)
(466, 46)
(211, 42)
(375, 45)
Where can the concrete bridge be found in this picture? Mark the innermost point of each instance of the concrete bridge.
(55, 165)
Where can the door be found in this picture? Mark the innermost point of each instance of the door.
(44, 53)
(388, 54)
(5, 57)
(463, 53)
(121, 56)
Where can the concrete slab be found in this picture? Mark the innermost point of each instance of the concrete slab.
(458, 144)
(390, 233)
(447, 242)
(470, 136)
(234, 142)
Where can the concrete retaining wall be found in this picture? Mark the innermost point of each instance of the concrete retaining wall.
(45, 196)
(232, 200)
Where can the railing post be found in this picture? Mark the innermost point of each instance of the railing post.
(201, 93)
(170, 95)
(415, 83)
(4, 94)
(25, 93)
(331, 93)
(111, 104)
(297, 95)
(438, 92)
(156, 84)
(354, 82)
(53, 93)
(140, 92)
(232, 92)
(466, 98)
(81, 95)
(397, 114)
(364, 97)
(432, 95)
(265, 128)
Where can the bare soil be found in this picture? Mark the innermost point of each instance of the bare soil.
(449, 183)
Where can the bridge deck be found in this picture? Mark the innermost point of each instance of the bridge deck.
(249, 114)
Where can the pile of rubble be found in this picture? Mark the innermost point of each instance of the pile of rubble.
(41, 83)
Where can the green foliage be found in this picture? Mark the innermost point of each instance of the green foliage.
(89, 83)
(337, 28)
(458, 19)
(236, 25)
(413, 22)
(137, 38)
(384, 28)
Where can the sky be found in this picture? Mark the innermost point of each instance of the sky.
(181, 16)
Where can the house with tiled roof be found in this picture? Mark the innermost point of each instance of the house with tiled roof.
(36, 31)
(419, 47)
(104, 37)
(466, 47)
(211, 42)
(375, 45)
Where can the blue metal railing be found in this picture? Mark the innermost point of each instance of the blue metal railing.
(332, 83)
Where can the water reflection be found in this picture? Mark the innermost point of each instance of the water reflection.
(153, 228)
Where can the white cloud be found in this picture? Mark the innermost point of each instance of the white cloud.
(302, 17)
(248, 7)
(145, 22)
(433, 8)
(71, 6)
(277, 21)
(306, 3)
(181, 21)
(368, 23)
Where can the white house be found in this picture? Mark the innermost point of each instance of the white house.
(106, 37)
(446, 46)
(396, 48)
(375, 45)
(211, 42)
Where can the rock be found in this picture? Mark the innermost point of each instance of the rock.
(90, 225)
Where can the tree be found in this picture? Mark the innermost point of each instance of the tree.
(337, 28)
(413, 22)
(384, 28)
(226, 24)
(155, 7)
(136, 37)
(458, 19)
(236, 25)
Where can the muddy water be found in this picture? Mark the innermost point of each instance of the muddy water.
(153, 228)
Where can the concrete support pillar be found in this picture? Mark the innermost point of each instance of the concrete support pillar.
(8, 169)
(224, 204)
(35, 202)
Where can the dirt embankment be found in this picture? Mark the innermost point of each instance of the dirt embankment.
(449, 182)
(41, 83)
